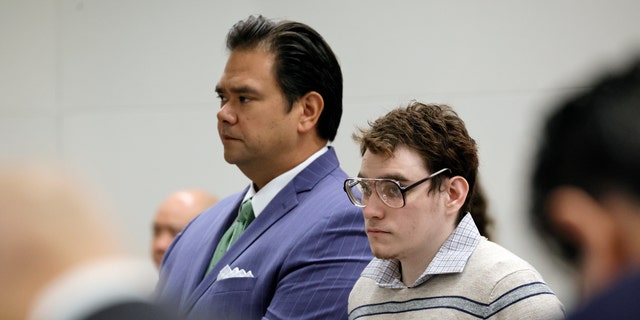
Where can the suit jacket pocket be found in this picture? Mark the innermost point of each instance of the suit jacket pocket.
(231, 298)
(232, 285)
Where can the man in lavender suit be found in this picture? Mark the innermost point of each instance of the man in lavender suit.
(280, 105)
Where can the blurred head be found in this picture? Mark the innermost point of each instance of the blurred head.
(175, 212)
(409, 145)
(49, 224)
(303, 63)
(586, 179)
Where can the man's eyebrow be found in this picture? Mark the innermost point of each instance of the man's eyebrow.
(237, 90)
(396, 177)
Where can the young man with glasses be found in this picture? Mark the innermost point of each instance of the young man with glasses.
(417, 176)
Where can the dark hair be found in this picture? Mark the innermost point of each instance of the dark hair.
(435, 132)
(590, 142)
(479, 209)
(304, 62)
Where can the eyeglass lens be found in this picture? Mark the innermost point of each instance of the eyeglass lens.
(387, 191)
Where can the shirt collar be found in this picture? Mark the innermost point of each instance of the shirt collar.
(262, 198)
(451, 258)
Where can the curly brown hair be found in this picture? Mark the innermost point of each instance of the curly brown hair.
(435, 131)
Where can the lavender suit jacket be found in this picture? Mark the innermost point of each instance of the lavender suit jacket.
(305, 251)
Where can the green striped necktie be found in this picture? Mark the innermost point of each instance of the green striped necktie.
(233, 233)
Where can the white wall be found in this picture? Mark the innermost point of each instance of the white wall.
(122, 90)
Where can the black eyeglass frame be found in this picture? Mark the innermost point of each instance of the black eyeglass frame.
(351, 182)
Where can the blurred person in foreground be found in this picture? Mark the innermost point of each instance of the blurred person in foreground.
(59, 256)
(586, 192)
(173, 214)
(416, 180)
(289, 245)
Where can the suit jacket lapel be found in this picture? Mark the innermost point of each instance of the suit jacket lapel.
(285, 201)
(216, 227)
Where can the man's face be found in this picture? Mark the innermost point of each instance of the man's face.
(257, 132)
(170, 219)
(420, 227)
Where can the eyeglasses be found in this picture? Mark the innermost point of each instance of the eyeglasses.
(389, 191)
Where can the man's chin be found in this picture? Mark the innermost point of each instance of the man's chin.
(229, 158)
(381, 254)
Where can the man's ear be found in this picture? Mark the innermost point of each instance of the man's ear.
(312, 105)
(591, 228)
(457, 189)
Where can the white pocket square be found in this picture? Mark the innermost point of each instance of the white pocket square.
(227, 272)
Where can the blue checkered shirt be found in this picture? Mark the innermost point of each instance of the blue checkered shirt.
(451, 258)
